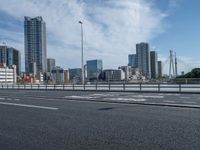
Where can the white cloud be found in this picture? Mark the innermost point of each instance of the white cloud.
(111, 27)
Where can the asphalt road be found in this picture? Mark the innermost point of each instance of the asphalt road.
(67, 120)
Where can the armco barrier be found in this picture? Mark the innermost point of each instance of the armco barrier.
(176, 88)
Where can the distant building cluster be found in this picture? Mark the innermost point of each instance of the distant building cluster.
(42, 70)
(145, 62)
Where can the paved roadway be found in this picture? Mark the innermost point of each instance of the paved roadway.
(74, 120)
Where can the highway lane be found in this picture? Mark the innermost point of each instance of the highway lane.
(167, 99)
(80, 124)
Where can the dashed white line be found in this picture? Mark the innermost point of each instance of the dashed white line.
(30, 106)
(2, 98)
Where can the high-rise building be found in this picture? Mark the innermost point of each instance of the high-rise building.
(159, 69)
(132, 60)
(35, 44)
(51, 63)
(143, 59)
(154, 64)
(94, 68)
(10, 56)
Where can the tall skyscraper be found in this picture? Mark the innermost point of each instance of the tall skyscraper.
(132, 60)
(154, 64)
(143, 59)
(51, 63)
(159, 69)
(94, 68)
(35, 44)
(10, 56)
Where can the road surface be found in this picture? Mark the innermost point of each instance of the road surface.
(74, 120)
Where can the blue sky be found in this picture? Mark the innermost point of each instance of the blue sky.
(111, 29)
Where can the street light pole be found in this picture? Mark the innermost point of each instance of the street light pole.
(83, 78)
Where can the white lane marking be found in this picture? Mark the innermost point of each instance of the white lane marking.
(30, 106)
(9, 99)
(2, 98)
(149, 96)
(126, 99)
(170, 94)
(190, 102)
(80, 97)
(169, 101)
(185, 97)
(16, 99)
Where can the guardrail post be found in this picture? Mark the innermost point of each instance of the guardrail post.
(109, 86)
(124, 86)
(31, 86)
(158, 87)
(18, 86)
(96, 86)
(180, 88)
(63, 87)
(7, 86)
(24, 86)
(140, 87)
(54, 86)
(38, 86)
(84, 86)
(73, 87)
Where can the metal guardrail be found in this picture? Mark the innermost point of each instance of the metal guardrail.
(177, 88)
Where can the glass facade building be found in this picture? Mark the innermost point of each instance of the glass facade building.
(57, 75)
(51, 63)
(94, 68)
(132, 60)
(35, 44)
(10, 56)
(75, 75)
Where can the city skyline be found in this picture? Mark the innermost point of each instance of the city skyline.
(104, 39)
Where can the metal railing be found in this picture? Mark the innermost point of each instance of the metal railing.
(176, 88)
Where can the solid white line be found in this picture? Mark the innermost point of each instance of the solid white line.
(30, 106)
(169, 101)
(190, 102)
(185, 97)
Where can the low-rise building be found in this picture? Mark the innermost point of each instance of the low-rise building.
(113, 75)
(8, 75)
